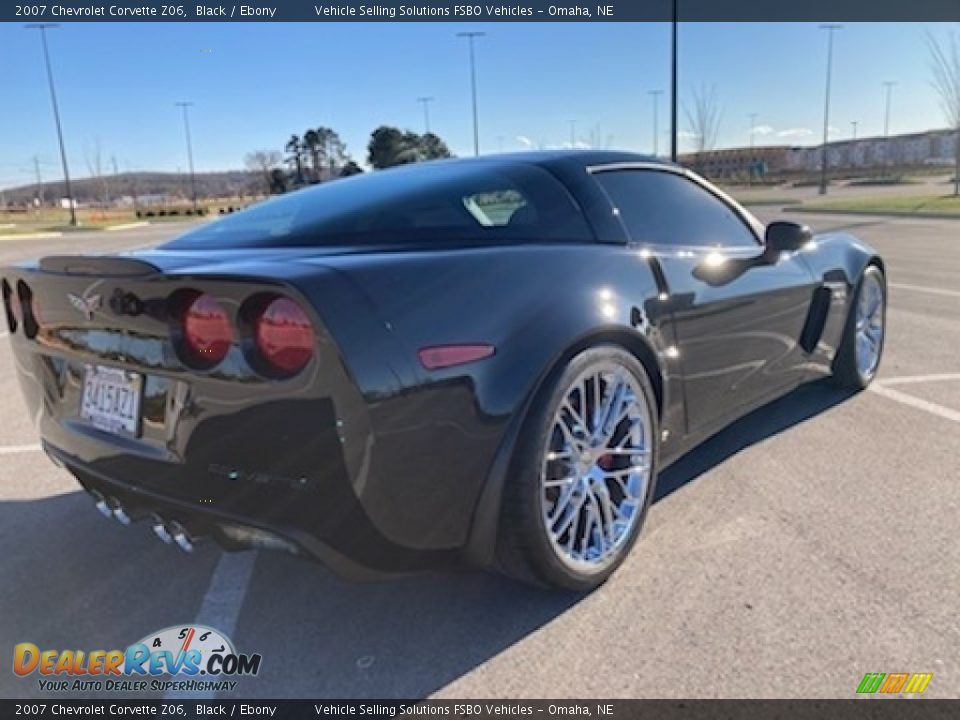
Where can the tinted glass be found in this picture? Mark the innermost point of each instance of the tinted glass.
(431, 203)
(664, 208)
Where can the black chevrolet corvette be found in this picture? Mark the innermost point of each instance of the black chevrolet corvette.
(477, 361)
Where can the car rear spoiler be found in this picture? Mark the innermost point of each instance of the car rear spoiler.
(99, 266)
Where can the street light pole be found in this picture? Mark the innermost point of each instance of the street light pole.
(656, 120)
(753, 125)
(425, 101)
(888, 86)
(826, 107)
(186, 129)
(42, 27)
(471, 36)
(673, 87)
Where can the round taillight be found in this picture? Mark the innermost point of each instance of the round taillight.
(284, 336)
(207, 331)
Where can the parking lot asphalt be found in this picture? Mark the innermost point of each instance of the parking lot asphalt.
(813, 541)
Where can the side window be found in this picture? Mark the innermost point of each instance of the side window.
(664, 208)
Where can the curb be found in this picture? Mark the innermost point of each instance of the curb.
(31, 236)
(127, 226)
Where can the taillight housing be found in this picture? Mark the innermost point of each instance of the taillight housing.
(207, 332)
(283, 335)
(24, 304)
(9, 306)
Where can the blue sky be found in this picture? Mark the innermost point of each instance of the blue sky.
(255, 84)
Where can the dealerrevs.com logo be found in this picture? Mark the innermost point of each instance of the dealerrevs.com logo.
(200, 657)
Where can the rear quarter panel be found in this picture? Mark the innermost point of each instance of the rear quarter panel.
(437, 434)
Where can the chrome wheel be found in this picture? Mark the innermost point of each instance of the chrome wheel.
(596, 467)
(869, 327)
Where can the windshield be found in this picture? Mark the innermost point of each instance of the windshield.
(445, 202)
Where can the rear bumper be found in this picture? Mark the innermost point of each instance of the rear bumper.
(235, 531)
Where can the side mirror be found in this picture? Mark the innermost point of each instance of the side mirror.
(785, 237)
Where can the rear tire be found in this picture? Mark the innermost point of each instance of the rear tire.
(583, 473)
(861, 348)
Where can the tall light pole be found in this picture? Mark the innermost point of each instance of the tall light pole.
(425, 101)
(655, 94)
(826, 107)
(673, 86)
(42, 27)
(183, 105)
(753, 126)
(888, 87)
(471, 36)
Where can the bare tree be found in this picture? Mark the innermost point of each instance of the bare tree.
(703, 115)
(945, 69)
(264, 162)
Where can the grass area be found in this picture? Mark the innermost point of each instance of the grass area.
(48, 219)
(894, 204)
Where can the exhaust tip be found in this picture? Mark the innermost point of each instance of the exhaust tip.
(160, 529)
(120, 515)
(100, 502)
(181, 537)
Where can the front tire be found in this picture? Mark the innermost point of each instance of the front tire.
(583, 473)
(861, 348)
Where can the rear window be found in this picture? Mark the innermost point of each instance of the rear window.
(442, 203)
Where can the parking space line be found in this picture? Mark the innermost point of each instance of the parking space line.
(923, 288)
(15, 449)
(915, 402)
(913, 379)
(223, 601)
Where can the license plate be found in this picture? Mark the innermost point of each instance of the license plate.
(111, 399)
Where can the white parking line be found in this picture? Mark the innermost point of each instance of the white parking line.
(913, 379)
(923, 288)
(915, 402)
(15, 449)
(222, 602)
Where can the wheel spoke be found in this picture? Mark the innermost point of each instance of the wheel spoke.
(590, 509)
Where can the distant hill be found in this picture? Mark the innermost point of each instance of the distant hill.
(230, 183)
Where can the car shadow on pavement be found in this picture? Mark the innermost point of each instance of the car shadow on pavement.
(410, 637)
(802, 404)
(403, 638)
(78, 580)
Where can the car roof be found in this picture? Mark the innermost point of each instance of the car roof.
(545, 158)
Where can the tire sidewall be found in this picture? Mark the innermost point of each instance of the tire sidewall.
(871, 271)
(529, 458)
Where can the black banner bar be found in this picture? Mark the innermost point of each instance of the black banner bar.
(504, 11)
(858, 709)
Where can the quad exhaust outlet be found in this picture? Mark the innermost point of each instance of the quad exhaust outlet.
(170, 532)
